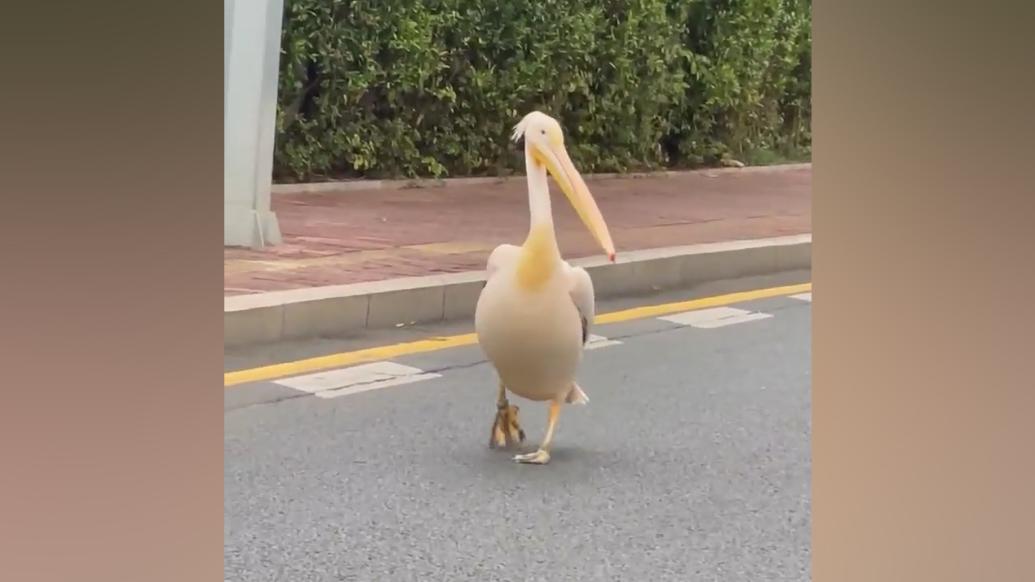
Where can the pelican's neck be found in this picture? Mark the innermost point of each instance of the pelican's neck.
(538, 195)
(539, 253)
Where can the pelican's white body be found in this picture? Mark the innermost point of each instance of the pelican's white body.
(534, 338)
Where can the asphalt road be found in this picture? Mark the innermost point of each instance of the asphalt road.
(691, 462)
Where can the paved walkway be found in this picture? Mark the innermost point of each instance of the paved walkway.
(370, 235)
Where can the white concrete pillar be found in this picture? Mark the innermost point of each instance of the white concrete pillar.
(251, 65)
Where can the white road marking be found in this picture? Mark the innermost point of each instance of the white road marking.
(599, 341)
(715, 317)
(803, 296)
(355, 379)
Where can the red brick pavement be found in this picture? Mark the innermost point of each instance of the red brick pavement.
(349, 237)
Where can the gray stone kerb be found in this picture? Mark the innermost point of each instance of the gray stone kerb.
(337, 309)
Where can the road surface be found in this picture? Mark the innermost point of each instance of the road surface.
(691, 462)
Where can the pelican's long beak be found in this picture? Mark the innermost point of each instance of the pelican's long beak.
(555, 157)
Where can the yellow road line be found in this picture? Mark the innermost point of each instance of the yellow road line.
(316, 364)
(702, 303)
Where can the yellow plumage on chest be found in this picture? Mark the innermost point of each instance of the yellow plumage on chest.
(538, 260)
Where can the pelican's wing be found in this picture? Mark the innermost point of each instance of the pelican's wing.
(582, 295)
(500, 256)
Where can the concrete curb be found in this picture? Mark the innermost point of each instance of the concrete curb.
(361, 185)
(338, 309)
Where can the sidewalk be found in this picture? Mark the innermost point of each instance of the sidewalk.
(371, 235)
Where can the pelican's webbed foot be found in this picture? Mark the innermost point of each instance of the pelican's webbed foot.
(540, 457)
(506, 431)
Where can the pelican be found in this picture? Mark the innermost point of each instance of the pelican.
(534, 314)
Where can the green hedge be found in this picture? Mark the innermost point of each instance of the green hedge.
(388, 88)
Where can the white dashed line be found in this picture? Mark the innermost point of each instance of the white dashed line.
(715, 317)
(803, 296)
(355, 379)
(378, 375)
(599, 341)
